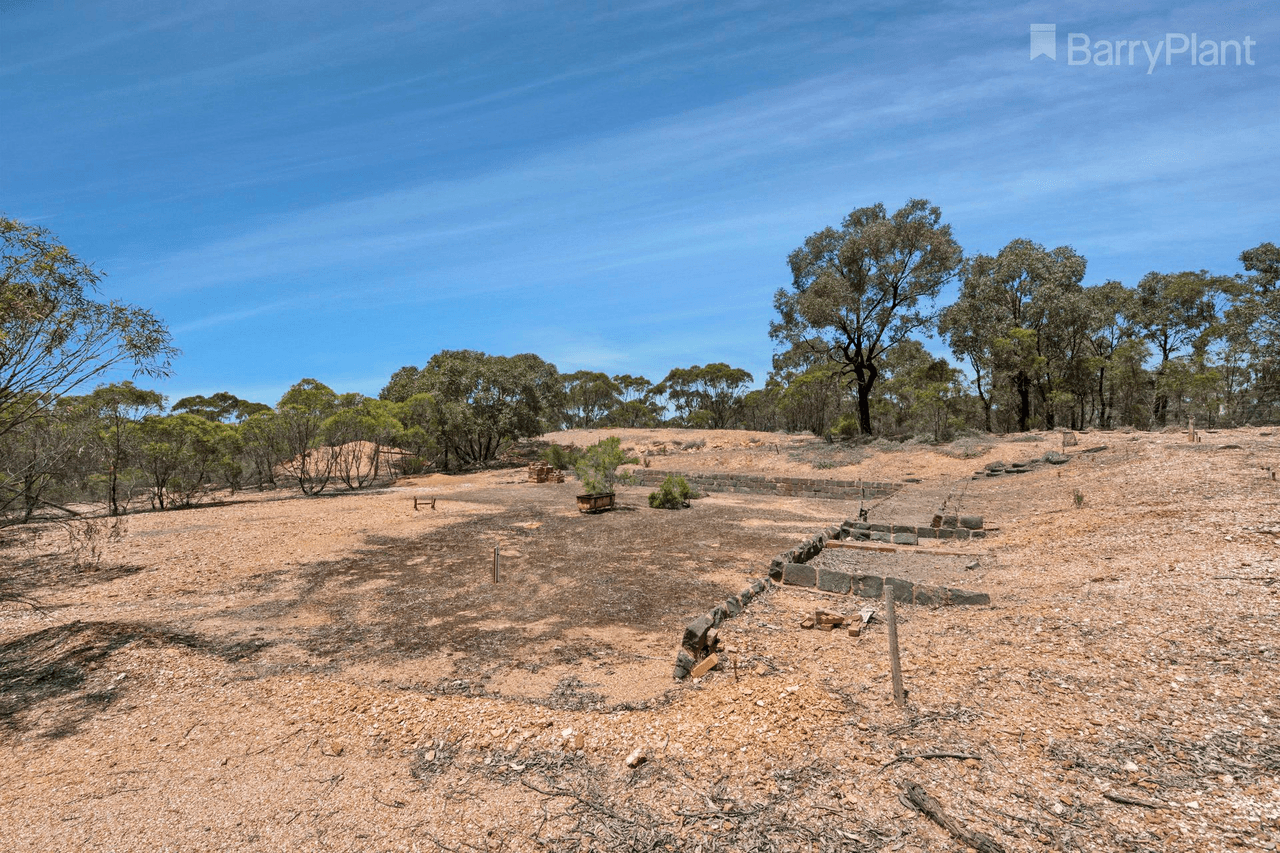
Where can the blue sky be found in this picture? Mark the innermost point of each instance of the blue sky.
(335, 190)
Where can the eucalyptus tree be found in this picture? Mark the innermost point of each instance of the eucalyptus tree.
(1018, 319)
(589, 397)
(861, 289)
(706, 396)
(117, 410)
(1177, 313)
(54, 337)
(300, 415)
(477, 403)
(1251, 328)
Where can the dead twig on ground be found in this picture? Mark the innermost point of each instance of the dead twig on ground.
(933, 810)
(959, 756)
(1131, 800)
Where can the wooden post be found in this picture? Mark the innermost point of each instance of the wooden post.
(895, 665)
(1191, 429)
(495, 563)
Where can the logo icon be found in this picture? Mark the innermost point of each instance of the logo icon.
(1044, 41)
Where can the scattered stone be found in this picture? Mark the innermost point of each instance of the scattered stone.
(808, 622)
(637, 757)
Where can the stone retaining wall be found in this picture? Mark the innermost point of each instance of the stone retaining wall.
(911, 534)
(782, 486)
(698, 639)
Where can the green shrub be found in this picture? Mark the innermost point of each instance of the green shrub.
(597, 468)
(847, 427)
(561, 458)
(410, 465)
(674, 493)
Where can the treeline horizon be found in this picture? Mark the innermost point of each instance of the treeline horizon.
(1042, 351)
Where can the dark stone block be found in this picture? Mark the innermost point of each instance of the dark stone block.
(928, 596)
(830, 580)
(867, 586)
(881, 528)
(950, 521)
(732, 606)
(798, 574)
(962, 597)
(860, 535)
(946, 533)
(695, 634)
(775, 572)
(684, 663)
(717, 615)
(926, 533)
(903, 590)
(977, 534)
(971, 522)
(746, 596)
(906, 538)
(962, 533)
(759, 586)
(880, 536)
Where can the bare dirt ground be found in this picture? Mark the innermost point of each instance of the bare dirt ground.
(341, 673)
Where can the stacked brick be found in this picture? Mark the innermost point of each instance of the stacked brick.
(542, 472)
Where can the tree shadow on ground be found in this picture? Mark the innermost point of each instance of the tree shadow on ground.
(54, 680)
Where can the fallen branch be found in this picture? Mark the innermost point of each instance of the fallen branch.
(563, 792)
(1131, 800)
(933, 810)
(959, 756)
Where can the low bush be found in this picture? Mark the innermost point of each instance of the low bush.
(562, 458)
(674, 493)
(409, 465)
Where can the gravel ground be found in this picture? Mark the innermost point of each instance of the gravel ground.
(281, 674)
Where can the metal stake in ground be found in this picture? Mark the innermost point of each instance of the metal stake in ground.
(895, 665)
(495, 563)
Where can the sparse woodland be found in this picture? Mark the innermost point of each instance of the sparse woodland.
(352, 674)
(1034, 347)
